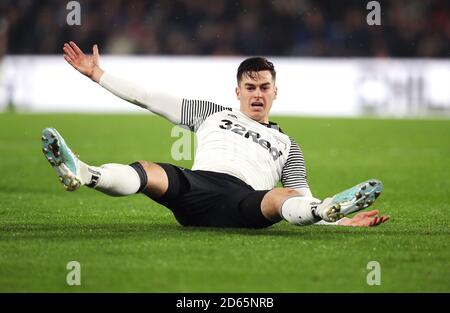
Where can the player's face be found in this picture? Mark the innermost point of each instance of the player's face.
(256, 95)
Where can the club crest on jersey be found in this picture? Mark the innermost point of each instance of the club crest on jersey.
(281, 142)
(250, 134)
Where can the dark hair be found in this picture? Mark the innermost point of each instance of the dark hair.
(252, 65)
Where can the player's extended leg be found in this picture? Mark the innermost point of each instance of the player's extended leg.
(285, 203)
(112, 179)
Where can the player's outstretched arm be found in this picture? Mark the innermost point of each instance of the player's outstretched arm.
(162, 104)
(87, 65)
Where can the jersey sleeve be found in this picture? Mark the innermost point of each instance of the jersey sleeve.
(293, 174)
(190, 113)
(194, 112)
(162, 104)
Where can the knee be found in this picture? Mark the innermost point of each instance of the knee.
(150, 168)
(144, 163)
(278, 194)
(157, 180)
(288, 192)
(273, 201)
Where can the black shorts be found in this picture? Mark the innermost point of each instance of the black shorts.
(204, 198)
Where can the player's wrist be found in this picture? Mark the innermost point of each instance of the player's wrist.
(97, 73)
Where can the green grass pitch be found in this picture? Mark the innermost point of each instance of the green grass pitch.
(132, 244)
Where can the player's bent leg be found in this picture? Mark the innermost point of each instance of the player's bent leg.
(288, 204)
(273, 201)
(307, 210)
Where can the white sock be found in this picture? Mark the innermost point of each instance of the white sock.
(112, 179)
(300, 210)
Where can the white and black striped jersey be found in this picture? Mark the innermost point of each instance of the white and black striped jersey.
(230, 142)
(227, 140)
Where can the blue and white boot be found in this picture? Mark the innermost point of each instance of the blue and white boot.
(349, 201)
(61, 158)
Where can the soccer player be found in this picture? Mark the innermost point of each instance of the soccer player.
(240, 157)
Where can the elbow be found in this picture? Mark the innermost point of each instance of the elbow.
(143, 99)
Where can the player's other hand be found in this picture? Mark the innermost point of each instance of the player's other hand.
(364, 219)
(85, 64)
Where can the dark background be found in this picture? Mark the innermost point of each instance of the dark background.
(412, 28)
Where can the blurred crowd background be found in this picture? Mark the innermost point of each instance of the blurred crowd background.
(328, 28)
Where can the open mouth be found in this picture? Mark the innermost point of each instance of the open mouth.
(257, 104)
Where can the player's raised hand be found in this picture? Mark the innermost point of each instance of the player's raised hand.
(364, 219)
(85, 64)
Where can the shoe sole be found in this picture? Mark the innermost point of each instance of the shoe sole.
(51, 142)
(354, 199)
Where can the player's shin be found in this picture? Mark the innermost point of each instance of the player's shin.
(112, 179)
(300, 210)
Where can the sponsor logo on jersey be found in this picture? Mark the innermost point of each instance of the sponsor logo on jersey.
(252, 135)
